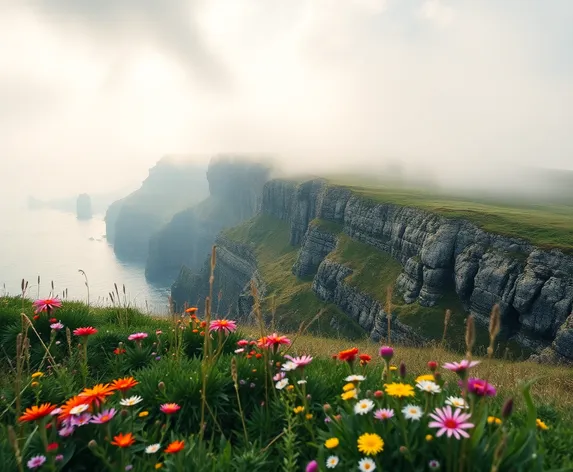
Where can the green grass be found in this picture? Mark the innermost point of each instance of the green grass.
(293, 298)
(545, 225)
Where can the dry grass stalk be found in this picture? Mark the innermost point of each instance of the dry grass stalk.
(388, 308)
(470, 335)
(494, 328)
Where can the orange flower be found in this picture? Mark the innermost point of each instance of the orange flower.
(118, 351)
(123, 440)
(192, 309)
(203, 324)
(364, 359)
(348, 355)
(124, 384)
(97, 393)
(37, 412)
(175, 447)
(71, 403)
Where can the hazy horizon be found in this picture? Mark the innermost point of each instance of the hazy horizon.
(94, 93)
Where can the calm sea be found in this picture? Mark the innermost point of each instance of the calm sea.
(55, 245)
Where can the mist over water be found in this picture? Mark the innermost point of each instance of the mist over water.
(55, 245)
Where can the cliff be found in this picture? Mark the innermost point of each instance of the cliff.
(172, 185)
(84, 207)
(235, 195)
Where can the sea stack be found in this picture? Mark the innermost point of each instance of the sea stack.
(84, 207)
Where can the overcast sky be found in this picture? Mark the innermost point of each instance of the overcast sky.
(93, 92)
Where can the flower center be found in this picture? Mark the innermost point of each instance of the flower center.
(450, 423)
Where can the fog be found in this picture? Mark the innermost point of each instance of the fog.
(93, 93)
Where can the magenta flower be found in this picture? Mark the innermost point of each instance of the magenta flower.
(104, 416)
(57, 326)
(450, 422)
(300, 361)
(480, 387)
(36, 461)
(383, 414)
(312, 466)
(386, 352)
(226, 326)
(47, 304)
(460, 367)
(137, 336)
(59, 457)
(242, 343)
(81, 420)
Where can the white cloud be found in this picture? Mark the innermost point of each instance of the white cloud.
(437, 11)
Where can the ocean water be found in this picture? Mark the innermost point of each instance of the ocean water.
(55, 245)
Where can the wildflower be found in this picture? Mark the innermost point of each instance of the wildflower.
(123, 440)
(481, 388)
(77, 410)
(57, 326)
(541, 425)
(399, 390)
(137, 336)
(66, 431)
(308, 416)
(457, 402)
(412, 412)
(298, 409)
(143, 414)
(226, 326)
(378, 394)
(276, 340)
(47, 304)
(170, 408)
(85, 332)
(59, 457)
(348, 355)
(331, 443)
(153, 448)
(158, 332)
(429, 437)
(175, 447)
(425, 377)
(460, 368)
(119, 350)
(288, 366)
(349, 394)
(252, 385)
(348, 386)
(37, 375)
(242, 343)
(104, 416)
(71, 403)
(432, 365)
(434, 465)
(429, 386)
(36, 461)
(364, 359)
(128, 467)
(124, 384)
(493, 420)
(35, 384)
(363, 406)
(52, 447)
(239, 351)
(386, 353)
(355, 378)
(383, 414)
(301, 382)
(507, 409)
(36, 412)
(366, 465)
(97, 394)
(370, 444)
(332, 462)
(300, 361)
(279, 376)
(281, 384)
(312, 466)
(402, 370)
(158, 465)
(192, 309)
(393, 368)
(81, 420)
(55, 412)
(450, 422)
(131, 401)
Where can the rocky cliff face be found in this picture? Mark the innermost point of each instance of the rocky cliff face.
(171, 186)
(533, 287)
(235, 187)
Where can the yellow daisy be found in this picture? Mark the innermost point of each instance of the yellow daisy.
(370, 444)
(331, 443)
(493, 420)
(541, 424)
(348, 395)
(348, 386)
(425, 377)
(399, 390)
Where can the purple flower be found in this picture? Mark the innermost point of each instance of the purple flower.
(312, 466)
(158, 358)
(59, 457)
(36, 461)
(387, 353)
(81, 420)
(480, 387)
(104, 416)
(57, 326)
(67, 430)
(279, 376)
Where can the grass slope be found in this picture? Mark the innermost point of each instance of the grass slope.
(292, 297)
(547, 226)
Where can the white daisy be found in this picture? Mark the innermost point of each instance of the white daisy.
(332, 462)
(429, 386)
(288, 366)
(363, 406)
(131, 401)
(153, 448)
(457, 402)
(412, 412)
(281, 384)
(300, 382)
(78, 410)
(366, 465)
(355, 378)
(238, 351)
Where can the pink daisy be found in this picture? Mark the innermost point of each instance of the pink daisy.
(459, 367)
(169, 408)
(450, 422)
(56, 326)
(81, 420)
(137, 336)
(276, 340)
(300, 361)
(242, 343)
(480, 387)
(104, 416)
(36, 461)
(66, 431)
(227, 326)
(47, 304)
(383, 414)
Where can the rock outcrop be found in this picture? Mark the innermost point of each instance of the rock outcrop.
(235, 195)
(172, 185)
(84, 207)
